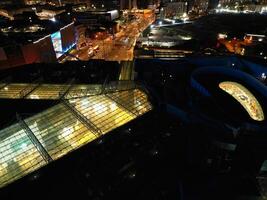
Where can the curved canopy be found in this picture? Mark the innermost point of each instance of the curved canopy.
(245, 98)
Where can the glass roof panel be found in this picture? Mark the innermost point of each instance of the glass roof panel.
(135, 100)
(12, 91)
(48, 91)
(18, 155)
(83, 90)
(102, 112)
(59, 131)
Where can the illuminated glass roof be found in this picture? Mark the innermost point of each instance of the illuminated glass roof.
(49, 135)
(245, 98)
(13, 91)
(46, 91)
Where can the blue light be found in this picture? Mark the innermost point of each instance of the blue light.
(69, 48)
(57, 43)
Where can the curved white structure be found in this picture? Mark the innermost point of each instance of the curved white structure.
(245, 98)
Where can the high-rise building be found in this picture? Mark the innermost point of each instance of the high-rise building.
(142, 4)
(12, 2)
(173, 9)
(75, 1)
(213, 4)
(63, 2)
(106, 4)
(128, 4)
(200, 6)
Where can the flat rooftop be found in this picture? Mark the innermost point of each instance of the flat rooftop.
(28, 31)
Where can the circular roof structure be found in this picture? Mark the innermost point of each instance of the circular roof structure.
(230, 95)
(245, 98)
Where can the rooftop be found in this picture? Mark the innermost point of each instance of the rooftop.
(36, 141)
(242, 95)
(28, 31)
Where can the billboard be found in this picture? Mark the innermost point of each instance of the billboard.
(57, 43)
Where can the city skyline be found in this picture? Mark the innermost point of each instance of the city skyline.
(133, 99)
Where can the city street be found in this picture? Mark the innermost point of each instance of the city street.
(117, 48)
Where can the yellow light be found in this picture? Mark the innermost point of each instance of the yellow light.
(245, 98)
(60, 131)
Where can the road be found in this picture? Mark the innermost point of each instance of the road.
(117, 48)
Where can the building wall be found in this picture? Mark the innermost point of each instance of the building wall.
(40, 51)
(80, 31)
(32, 2)
(31, 53)
(10, 13)
(68, 36)
(201, 6)
(108, 4)
(14, 57)
(242, 2)
(45, 50)
(174, 9)
(143, 4)
(2, 54)
(213, 4)
(128, 4)
(76, 1)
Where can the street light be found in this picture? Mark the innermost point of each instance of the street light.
(263, 76)
(53, 19)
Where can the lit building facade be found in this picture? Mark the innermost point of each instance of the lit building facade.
(128, 4)
(47, 49)
(242, 2)
(105, 4)
(200, 6)
(174, 9)
(11, 2)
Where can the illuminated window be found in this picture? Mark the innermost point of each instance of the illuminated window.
(245, 98)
